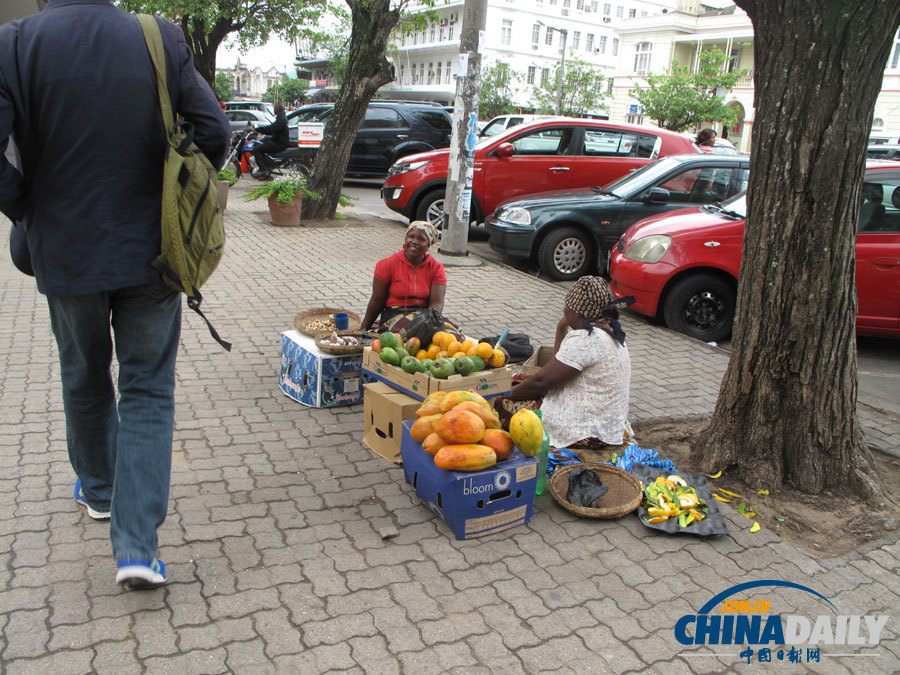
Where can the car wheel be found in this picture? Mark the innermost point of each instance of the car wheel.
(431, 208)
(566, 254)
(701, 306)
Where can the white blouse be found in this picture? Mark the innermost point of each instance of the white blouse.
(595, 403)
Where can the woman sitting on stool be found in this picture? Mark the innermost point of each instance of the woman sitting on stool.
(407, 281)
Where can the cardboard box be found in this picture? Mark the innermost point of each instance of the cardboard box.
(541, 357)
(472, 504)
(316, 378)
(385, 410)
(489, 382)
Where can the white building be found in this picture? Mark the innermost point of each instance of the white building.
(251, 82)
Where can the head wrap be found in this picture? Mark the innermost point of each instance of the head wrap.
(426, 227)
(591, 298)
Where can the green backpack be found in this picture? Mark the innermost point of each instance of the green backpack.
(193, 232)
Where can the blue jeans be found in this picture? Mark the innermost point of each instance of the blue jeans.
(123, 454)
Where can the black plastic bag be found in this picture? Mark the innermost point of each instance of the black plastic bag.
(517, 345)
(424, 325)
(585, 487)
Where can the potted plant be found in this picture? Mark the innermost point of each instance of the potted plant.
(285, 197)
(227, 178)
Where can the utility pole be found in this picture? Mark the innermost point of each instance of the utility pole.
(461, 167)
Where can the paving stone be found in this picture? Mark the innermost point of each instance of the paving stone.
(213, 635)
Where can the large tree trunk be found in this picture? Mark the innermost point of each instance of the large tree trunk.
(367, 70)
(206, 45)
(787, 405)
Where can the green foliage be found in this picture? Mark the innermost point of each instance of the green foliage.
(223, 87)
(583, 90)
(284, 189)
(497, 82)
(289, 89)
(680, 99)
(229, 175)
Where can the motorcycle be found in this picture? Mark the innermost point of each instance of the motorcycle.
(238, 139)
(289, 162)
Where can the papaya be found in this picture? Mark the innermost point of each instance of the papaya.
(454, 397)
(499, 440)
(490, 419)
(433, 443)
(526, 431)
(459, 426)
(465, 457)
(423, 426)
(432, 404)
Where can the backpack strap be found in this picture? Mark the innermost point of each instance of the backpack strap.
(153, 38)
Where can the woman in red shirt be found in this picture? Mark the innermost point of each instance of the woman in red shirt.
(409, 280)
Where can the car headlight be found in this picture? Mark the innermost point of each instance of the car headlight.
(405, 167)
(649, 249)
(515, 216)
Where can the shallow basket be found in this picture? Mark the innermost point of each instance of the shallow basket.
(623, 497)
(342, 349)
(303, 319)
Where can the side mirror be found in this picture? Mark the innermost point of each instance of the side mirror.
(657, 195)
(505, 150)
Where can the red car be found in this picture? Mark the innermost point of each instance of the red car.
(683, 266)
(552, 154)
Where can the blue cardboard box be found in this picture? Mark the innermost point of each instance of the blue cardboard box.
(477, 503)
(315, 378)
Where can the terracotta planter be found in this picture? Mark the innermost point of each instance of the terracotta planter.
(224, 186)
(285, 215)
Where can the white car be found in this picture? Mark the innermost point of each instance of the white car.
(504, 122)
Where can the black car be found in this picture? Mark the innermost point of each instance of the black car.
(883, 151)
(568, 233)
(389, 131)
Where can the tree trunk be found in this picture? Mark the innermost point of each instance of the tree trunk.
(367, 70)
(786, 410)
(206, 45)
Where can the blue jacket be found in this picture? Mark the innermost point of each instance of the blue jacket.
(78, 93)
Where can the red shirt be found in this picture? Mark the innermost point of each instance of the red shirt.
(409, 286)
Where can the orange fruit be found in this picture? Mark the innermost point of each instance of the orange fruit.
(471, 350)
(442, 355)
(446, 339)
(497, 359)
(438, 338)
(421, 355)
(433, 351)
(453, 347)
(467, 344)
(484, 350)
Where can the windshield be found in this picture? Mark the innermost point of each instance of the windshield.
(736, 204)
(642, 178)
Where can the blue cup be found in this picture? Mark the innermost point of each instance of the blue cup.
(341, 320)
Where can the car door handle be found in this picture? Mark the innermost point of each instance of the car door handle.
(402, 136)
(885, 262)
(559, 168)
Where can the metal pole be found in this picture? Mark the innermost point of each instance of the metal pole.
(461, 166)
(562, 71)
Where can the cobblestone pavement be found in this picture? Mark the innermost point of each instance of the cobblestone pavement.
(273, 541)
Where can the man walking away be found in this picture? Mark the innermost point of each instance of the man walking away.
(278, 140)
(78, 92)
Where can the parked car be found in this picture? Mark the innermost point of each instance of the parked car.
(684, 266)
(569, 233)
(501, 123)
(553, 154)
(240, 119)
(251, 105)
(389, 131)
(883, 151)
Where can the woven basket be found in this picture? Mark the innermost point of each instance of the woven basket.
(303, 319)
(624, 494)
(321, 343)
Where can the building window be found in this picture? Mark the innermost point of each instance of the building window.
(734, 59)
(450, 33)
(548, 39)
(594, 5)
(531, 73)
(643, 13)
(440, 77)
(566, 5)
(442, 33)
(642, 57)
(589, 43)
(535, 34)
(632, 13)
(449, 73)
(607, 9)
(602, 46)
(576, 38)
(430, 73)
(620, 11)
(552, 2)
(432, 33)
(415, 37)
(579, 4)
(615, 47)
(506, 32)
(545, 75)
(609, 86)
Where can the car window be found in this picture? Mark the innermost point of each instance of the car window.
(543, 141)
(435, 120)
(383, 118)
(513, 121)
(494, 127)
(612, 143)
(880, 208)
(703, 185)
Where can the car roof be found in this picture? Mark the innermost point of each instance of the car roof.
(590, 123)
